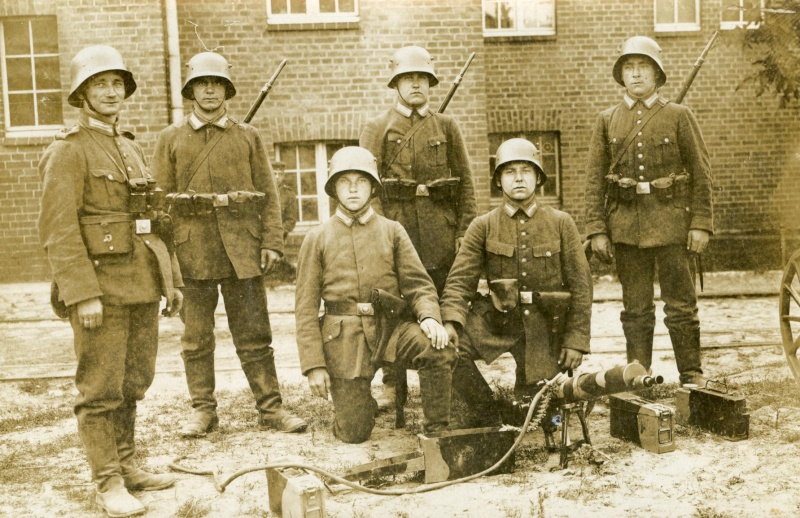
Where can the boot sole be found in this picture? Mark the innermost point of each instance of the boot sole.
(120, 515)
(212, 426)
(296, 429)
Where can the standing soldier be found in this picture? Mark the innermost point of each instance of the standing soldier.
(227, 234)
(540, 300)
(425, 170)
(288, 195)
(648, 204)
(110, 270)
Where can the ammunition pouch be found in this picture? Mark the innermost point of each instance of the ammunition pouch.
(107, 234)
(555, 306)
(611, 188)
(399, 189)
(166, 231)
(204, 204)
(389, 311)
(626, 189)
(504, 294)
(444, 189)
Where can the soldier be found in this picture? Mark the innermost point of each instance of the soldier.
(288, 194)
(358, 331)
(648, 204)
(110, 269)
(227, 234)
(425, 170)
(539, 306)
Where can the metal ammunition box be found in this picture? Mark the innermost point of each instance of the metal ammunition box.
(459, 453)
(295, 493)
(719, 412)
(648, 424)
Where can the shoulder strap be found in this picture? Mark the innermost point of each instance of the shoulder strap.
(632, 135)
(201, 157)
(407, 138)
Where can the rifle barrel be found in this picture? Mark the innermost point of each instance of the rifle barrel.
(687, 83)
(456, 83)
(263, 93)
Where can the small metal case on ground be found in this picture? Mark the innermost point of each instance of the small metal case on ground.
(459, 453)
(717, 411)
(295, 493)
(648, 424)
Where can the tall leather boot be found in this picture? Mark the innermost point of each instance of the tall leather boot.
(201, 382)
(686, 344)
(435, 386)
(98, 436)
(134, 477)
(639, 342)
(263, 380)
(470, 385)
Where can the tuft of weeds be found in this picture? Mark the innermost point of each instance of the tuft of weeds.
(34, 387)
(81, 495)
(707, 512)
(35, 419)
(537, 507)
(192, 508)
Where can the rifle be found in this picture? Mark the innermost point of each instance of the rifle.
(695, 69)
(263, 93)
(456, 83)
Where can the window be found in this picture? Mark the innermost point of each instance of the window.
(547, 142)
(677, 15)
(740, 13)
(307, 165)
(31, 75)
(519, 17)
(311, 11)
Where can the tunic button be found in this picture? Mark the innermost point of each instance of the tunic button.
(111, 248)
(147, 241)
(524, 274)
(330, 337)
(129, 168)
(527, 312)
(524, 260)
(639, 144)
(438, 143)
(666, 140)
(124, 155)
(110, 177)
(640, 133)
(641, 168)
(96, 262)
(524, 247)
(548, 254)
(399, 140)
(639, 112)
(614, 140)
(522, 222)
(639, 121)
(523, 233)
(641, 155)
(641, 178)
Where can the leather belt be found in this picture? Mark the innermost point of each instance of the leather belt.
(349, 308)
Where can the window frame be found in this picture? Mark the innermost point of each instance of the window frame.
(741, 24)
(535, 136)
(505, 33)
(677, 26)
(311, 15)
(36, 129)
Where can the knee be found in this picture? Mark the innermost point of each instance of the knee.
(353, 431)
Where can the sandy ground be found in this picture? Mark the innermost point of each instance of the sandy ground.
(706, 476)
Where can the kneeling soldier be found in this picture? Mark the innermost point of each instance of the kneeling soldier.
(540, 285)
(361, 264)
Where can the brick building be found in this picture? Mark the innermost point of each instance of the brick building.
(543, 70)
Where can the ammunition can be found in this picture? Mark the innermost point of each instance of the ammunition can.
(295, 493)
(648, 424)
(722, 413)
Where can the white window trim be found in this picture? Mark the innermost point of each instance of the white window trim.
(321, 175)
(500, 33)
(43, 130)
(311, 15)
(677, 27)
(729, 26)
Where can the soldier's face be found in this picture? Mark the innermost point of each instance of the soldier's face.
(639, 77)
(353, 190)
(209, 93)
(518, 180)
(413, 88)
(105, 93)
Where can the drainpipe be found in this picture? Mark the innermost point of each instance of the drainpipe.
(174, 61)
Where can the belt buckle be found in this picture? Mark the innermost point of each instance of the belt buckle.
(526, 297)
(365, 308)
(643, 188)
(143, 226)
(220, 200)
(422, 190)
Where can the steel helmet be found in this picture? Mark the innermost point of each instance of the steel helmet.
(516, 150)
(412, 59)
(641, 46)
(207, 64)
(352, 158)
(93, 60)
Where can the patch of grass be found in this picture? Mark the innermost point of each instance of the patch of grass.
(34, 387)
(192, 508)
(31, 463)
(659, 392)
(707, 512)
(38, 418)
(537, 507)
(81, 495)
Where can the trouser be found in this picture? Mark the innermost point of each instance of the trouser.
(116, 365)
(636, 269)
(248, 320)
(353, 403)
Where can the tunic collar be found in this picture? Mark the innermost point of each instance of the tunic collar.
(649, 102)
(105, 128)
(197, 123)
(511, 208)
(348, 218)
(405, 111)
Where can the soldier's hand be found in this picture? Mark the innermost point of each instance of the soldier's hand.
(570, 359)
(269, 258)
(435, 331)
(452, 333)
(601, 247)
(459, 242)
(175, 304)
(319, 382)
(697, 241)
(90, 313)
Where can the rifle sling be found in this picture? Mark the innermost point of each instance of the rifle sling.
(632, 135)
(201, 157)
(406, 138)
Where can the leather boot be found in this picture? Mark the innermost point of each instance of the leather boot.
(134, 477)
(201, 383)
(686, 344)
(98, 437)
(470, 386)
(435, 386)
(639, 343)
(263, 380)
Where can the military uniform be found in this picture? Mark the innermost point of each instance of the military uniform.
(659, 190)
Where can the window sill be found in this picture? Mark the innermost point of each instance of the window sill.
(28, 138)
(529, 38)
(306, 24)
